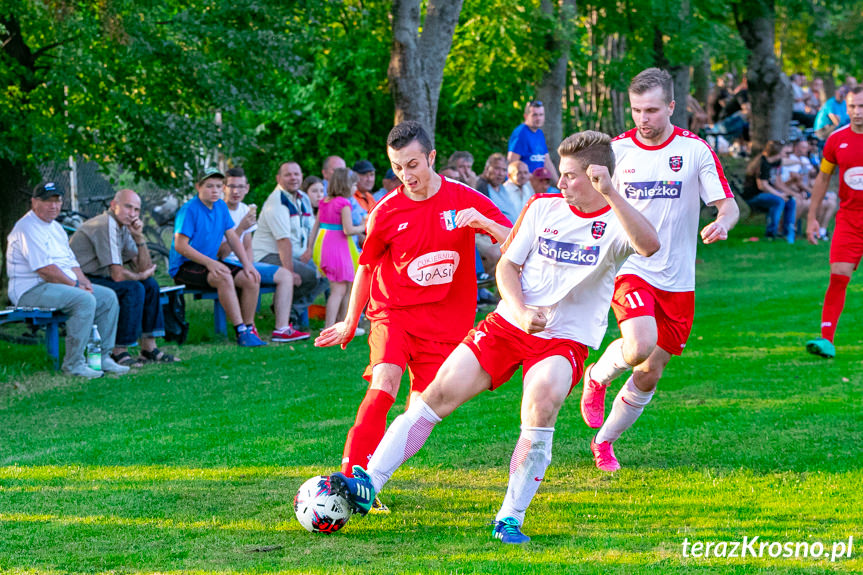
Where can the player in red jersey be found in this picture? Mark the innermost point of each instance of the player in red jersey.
(844, 148)
(665, 172)
(416, 272)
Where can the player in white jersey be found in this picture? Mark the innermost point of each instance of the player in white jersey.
(556, 278)
(664, 172)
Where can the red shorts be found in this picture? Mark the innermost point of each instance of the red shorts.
(390, 343)
(500, 348)
(846, 245)
(673, 311)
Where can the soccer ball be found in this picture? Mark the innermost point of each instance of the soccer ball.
(319, 508)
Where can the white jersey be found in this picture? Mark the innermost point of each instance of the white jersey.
(568, 261)
(665, 184)
(34, 244)
(237, 216)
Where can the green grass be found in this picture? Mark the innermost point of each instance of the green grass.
(192, 468)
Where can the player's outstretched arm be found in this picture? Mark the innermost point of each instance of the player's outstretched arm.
(474, 218)
(342, 332)
(726, 218)
(531, 320)
(819, 190)
(641, 232)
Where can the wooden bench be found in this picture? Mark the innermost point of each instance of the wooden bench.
(50, 317)
(220, 323)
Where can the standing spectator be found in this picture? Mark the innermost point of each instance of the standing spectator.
(832, 114)
(199, 228)
(541, 182)
(43, 272)
(330, 164)
(336, 258)
(362, 199)
(463, 162)
(798, 108)
(243, 215)
(283, 237)
(388, 184)
(718, 97)
(815, 96)
(515, 191)
(112, 251)
(527, 142)
(761, 193)
(844, 148)
(313, 186)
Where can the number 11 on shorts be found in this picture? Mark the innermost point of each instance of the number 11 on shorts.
(634, 300)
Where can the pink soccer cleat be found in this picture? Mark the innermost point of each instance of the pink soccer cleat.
(603, 455)
(592, 401)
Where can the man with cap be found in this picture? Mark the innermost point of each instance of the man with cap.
(541, 182)
(388, 184)
(199, 227)
(112, 251)
(43, 272)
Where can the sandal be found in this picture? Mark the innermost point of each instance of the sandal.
(126, 360)
(158, 356)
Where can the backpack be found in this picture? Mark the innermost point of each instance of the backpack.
(176, 326)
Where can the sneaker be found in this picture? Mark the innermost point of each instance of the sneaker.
(83, 371)
(287, 334)
(254, 330)
(509, 531)
(592, 401)
(358, 490)
(247, 338)
(603, 456)
(821, 346)
(111, 366)
(379, 507)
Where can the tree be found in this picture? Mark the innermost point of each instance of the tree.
(770, 93)
(417, 59)
(550, 90)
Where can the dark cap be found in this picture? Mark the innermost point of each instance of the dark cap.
(363, 167)
(390, 175)
(542, 173)
(47, 190)
(210, 173)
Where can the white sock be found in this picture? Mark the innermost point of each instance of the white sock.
(405, 436)
(610, 365)
(627, 407)
(526, 471)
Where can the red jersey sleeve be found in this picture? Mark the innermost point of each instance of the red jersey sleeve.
(375, 245)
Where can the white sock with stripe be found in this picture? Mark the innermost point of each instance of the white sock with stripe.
(526, 471)
(611, 364)
(405, 436)
(627, 407)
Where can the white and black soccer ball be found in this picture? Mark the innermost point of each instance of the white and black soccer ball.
(319, 508)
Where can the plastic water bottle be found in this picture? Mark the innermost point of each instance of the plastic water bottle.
(94, 350)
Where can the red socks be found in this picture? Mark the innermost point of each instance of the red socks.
(368, 430)
(834, 301)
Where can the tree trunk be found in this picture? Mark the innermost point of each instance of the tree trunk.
(770, 93)
(417, 60)
(680, 76)
(554, 80)
(701, 79)
(14, 194)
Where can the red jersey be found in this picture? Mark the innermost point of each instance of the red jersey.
(423, 269)
(844, 148)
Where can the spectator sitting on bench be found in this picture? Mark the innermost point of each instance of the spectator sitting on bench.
(199, 227)
(244, 217)
(103, 245)
(283, 233)
(43, 272)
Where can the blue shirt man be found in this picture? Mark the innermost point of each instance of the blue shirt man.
(832, 114)
(527, 142)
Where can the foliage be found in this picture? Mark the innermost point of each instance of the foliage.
(191, 468)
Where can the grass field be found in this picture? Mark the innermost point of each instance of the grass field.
(192, 468)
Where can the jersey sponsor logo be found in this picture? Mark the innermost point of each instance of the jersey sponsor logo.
(675, 163)
(629, 171)
(652, 190)
(434, 268)
(568, 253)
(549, 231)
(854, 177)
(597, 229)
(447, 220)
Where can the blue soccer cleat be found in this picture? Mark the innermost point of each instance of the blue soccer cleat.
(509, 531)
(821, 346)
(358, 490)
